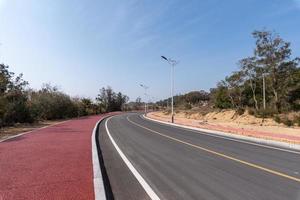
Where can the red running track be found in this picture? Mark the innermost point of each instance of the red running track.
(50, 163)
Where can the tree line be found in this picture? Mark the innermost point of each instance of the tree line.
(21, 104)
(188, 100)
(266, 83)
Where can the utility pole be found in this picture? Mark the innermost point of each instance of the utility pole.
(172, 90)
(264, 92)
(145, 88)
(172, 63)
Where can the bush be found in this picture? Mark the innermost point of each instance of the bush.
(288, 122)
(277, 119)
(187, 106)
(240, 111)
(220, 98)
(17, 112)
(251, 111)
(266, 113)
(297, 120)
(19, 104)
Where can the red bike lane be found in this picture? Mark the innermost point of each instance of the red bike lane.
(49, 163)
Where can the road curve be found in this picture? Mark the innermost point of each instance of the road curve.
(177, 163)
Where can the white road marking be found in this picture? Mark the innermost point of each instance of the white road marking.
(99, 190)
(249, 164)
(137, 175)
(206, 132)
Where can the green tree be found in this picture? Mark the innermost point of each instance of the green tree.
(109, 101)
(252, 75)
(50, 103)
(220, 97)
(235, 87)
(293, 93)
(13, 98)
(274, 57)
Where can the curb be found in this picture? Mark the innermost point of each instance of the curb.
(287, 146)
(102, 188)
(99, 190)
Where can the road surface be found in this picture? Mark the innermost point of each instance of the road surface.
(177, 163)
(53, 162)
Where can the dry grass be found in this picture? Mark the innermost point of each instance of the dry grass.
(21, 128)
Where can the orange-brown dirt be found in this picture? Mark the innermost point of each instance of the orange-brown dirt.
(229, 121)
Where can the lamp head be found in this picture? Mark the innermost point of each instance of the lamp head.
(163, 57)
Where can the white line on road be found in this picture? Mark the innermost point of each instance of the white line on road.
(223, 155)
(137, 175)
(99, 189)
(222, 135)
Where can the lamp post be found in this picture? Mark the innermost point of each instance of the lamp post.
(264, 92)
(172, 63)
(145, 88)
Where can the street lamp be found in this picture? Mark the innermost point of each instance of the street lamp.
(264, 91)
(172, 63)
(145, 88)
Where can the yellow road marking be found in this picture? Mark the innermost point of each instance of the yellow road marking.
(220, 154)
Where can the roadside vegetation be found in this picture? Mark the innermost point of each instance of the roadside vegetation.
(271, 63)
(21, 104)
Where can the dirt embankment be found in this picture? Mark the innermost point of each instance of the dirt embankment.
(230, 121)
(228, 116)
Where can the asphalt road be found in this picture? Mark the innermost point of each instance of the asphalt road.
(182, 164)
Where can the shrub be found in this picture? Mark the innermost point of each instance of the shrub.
(266, 113)
(251, 111)
(51, 104)
(288, 122)
(277, 119)
(188, 106)
(297, 120)
(240, 111)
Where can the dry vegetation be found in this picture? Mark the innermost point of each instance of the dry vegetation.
(229, 119)
(229, 115)
(24, 127)
(263, 91)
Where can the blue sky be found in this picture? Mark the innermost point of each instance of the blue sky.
(82, 46)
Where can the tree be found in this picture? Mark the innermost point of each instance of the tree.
(5, 81)
(293, 93)
(220, 97)
(235, 86)
(102, 99)
(251, 72)
(195, 97)
(50, 103)
(5, 78)
(110, 101)
(274, 57)
(13, 98)
(121, 100)
(87, 105)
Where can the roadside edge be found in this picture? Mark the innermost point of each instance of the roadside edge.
(102, 187)
(235, 136)
(32, 131)
(133, 170)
